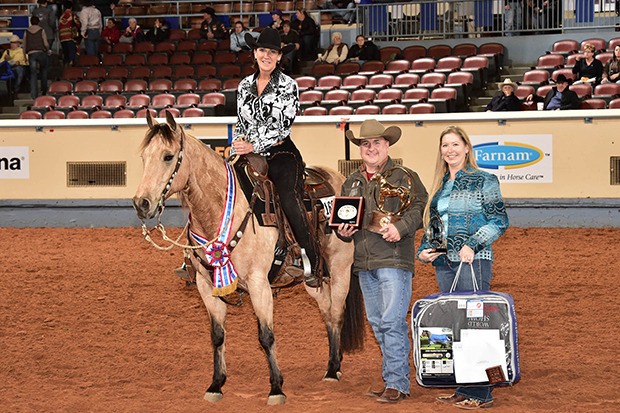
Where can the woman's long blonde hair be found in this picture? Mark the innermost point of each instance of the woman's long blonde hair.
(441, 167)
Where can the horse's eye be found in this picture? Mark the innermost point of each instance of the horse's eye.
(168, 158)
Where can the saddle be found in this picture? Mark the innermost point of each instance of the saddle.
(252, 174)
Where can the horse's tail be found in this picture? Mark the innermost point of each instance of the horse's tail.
(353, 327)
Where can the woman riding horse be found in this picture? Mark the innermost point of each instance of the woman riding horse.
(267, 103)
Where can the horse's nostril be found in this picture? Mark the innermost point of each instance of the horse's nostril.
(144, 204)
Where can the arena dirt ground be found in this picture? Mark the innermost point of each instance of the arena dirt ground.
(93, 320)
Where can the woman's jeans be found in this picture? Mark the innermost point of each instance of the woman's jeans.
(445, 274)
(38, 68)
(387, 294)
(69, 50)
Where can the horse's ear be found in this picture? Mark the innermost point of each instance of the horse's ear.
(171, 122)
(149, 119)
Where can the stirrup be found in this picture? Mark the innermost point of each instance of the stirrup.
(182, 272)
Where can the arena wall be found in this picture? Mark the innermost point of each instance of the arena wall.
(579, 152)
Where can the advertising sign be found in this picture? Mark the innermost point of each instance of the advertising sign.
(515, 158)
(14, 162)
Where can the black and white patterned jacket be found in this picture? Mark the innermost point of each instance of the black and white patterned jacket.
(268, 118)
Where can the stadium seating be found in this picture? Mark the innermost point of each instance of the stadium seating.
(439, 51)
(315, 111)
(464, 50)
(368, 110)
(421, 108)
(413, 52)
(394, 109)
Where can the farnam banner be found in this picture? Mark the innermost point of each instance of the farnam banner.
(515, 158)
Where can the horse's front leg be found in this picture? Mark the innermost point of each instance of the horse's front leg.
(262, 301)
(333, 323)
(217, 315)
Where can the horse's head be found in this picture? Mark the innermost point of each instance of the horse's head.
(162, 153)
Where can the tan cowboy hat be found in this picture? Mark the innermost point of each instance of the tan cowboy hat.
(372, 129)
(508, 82)
(15, 39)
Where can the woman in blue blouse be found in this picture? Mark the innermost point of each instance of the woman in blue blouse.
(267, 103)
(470, 205)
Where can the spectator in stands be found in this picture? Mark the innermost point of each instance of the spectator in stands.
(211, 27)
(159, 32)
(513, 17)
(69, 33)
(277, 22)
(90, 18)
(363, 50)
(16, 57)
(289, 36)
(133, 33)
(336, 52)
(611, 71)
(338, 8)
(237, 38)
(544, 14)
(36, 48)
(111, 34)
(558, 98)
(505, 100)
(308, 34)
(47, 20)
(105, 7)
(587, 68)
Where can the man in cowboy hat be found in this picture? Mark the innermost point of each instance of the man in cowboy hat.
(384, 260)
(16, 57)
(211, 27)
(505, 100)
(559, 97)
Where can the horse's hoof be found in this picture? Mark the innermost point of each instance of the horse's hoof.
(276, 399)
(329, 377)
(213, 397)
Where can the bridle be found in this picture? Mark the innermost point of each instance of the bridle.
(162, 198)
(161, 205)
(161, 228)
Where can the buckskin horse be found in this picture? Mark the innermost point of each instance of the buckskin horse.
(176, 162)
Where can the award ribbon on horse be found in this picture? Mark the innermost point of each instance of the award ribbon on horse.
(217, 253)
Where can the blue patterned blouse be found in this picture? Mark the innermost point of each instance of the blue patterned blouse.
(268, 118)
(475, 211)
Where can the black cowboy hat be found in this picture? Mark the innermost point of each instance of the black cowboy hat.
(562, 79)
(270, 39)
(208, 10)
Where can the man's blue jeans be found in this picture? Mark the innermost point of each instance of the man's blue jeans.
(19, 71)
(387, 294)
(513, 18)
(38, 68)
(91, 43)
(445, 273)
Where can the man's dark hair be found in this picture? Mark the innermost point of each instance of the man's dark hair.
(34, 20)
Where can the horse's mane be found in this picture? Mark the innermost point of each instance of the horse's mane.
(163, 129)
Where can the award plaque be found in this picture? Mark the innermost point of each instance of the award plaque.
(436, 233)
(347, 210)
(382, 217)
